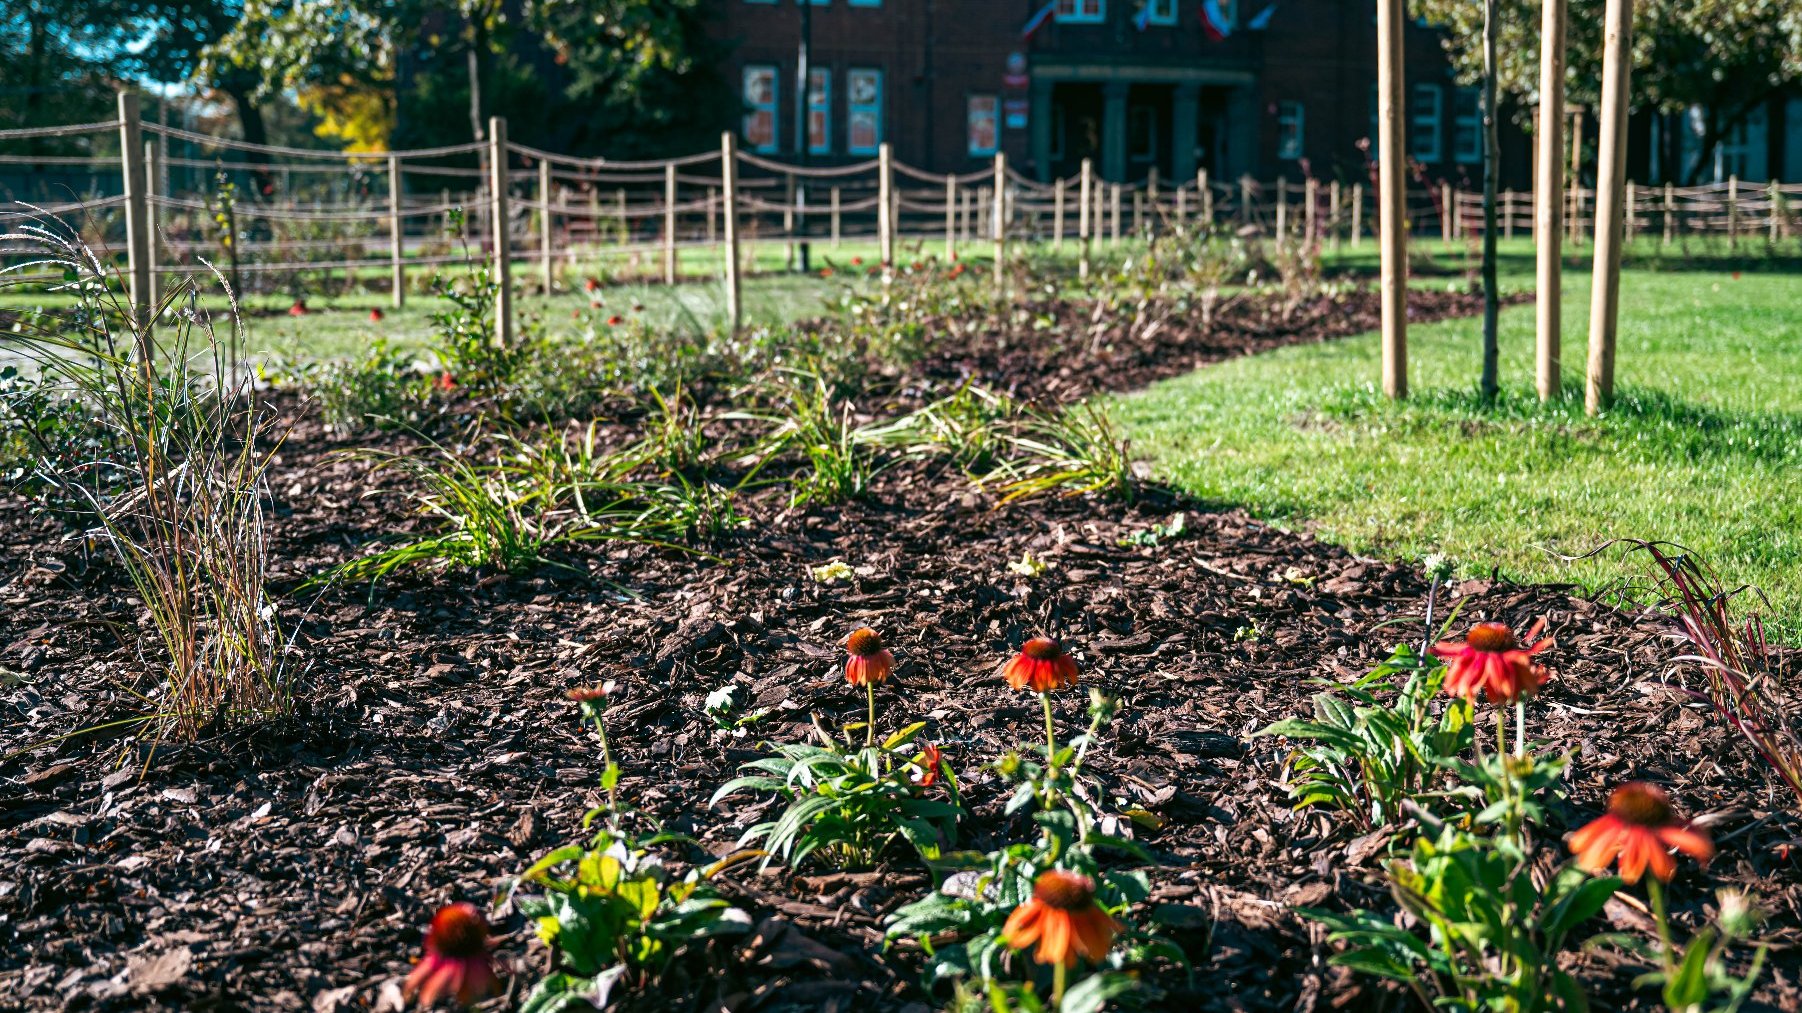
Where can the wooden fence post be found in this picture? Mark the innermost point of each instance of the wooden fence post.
(1245, 185)
(1508, 214)
(503, 248)
(788, 222)
(885, 206)
(729, 183)
(837, 221)
(1357, 215)
(1447, 214)
(1733, 212)
(1057, 215)
(1776, 199)
(545, 226)
(1632, 210)
(713, 203)
(397, 280)
(151, 161)
(1206, 192)
(1335, 208)
(619, 213)
(137, 225)
(1310, 215)
(1282, 209)
(1138, 214)
(1548, 205)
(1001, 224)
(1575, 215)
(950, 216)
(1392, 196)
(1182, 205)
(1085, 205)
(1114, 216)
(669, 224)
(1670, 212)
(1611, 178)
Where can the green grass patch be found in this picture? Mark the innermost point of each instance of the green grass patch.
(1704, 446)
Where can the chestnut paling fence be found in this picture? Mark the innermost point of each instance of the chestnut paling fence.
(279, 218)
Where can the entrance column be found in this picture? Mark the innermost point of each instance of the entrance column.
(1113, 131)
(1242, 132)
(1040, 124)
(1183, 109)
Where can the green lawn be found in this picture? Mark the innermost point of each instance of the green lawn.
(1704, 446)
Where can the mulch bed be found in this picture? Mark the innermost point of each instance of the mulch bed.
(434, 755)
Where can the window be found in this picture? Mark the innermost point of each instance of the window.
(1291, 124)
(1467, 125)
(983, 123)
(760, 106)
(1141, 133)
(1742, 150)
(861, 3)
(819, 111)
(1423, 115)
(1160, 12)
(863, 88)
(1081, 11)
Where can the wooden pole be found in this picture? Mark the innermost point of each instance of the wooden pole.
(885, 205)
(1206, 192)
(729, 183)
(151, 162)
(1670, 212)
(1632, 209)
(546, 226)
(1282, 208)
(1392, 196)
(1114, 216)
(1611, 178)
(669, 224)
(1774, 192)
(788, 222)
(1357, 215)
(397, 280)
(1138, 214)
(1447, 214)
(1084, 206)
(1310, 215)
(137, 225)
(1335, 207)
(1057, 215)
(1576, 176)
(1548, 204)
(950, 216)
(837, 220)
(503, 250)
(713, 203)
(1001, 224)
(1182, 205)
(1733, 212)
(1508, 213)
(1245, 185)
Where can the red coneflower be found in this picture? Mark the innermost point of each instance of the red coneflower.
(1641, 827)
(1492, 660)
(446, 381)
(591, 694)
(1063, 919)
(375, 315)
(1041, 666)
(595, 304)
(456, 962)
(615, 320)
(299, 309)
(591, 284)
(825, 272)
(870, 662)
(856, 261)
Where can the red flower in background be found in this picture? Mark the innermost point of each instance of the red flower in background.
(456, 964)
(615, 320)
(856, 261)
(1641, 828)
(930, 759)
(1041, 666)
(870, 663)
(375, 315)
(591, 284)
(446, 381)
(1063, 918)
(1491, 660)
(299, 309)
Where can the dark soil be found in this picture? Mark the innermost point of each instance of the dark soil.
(434, 755)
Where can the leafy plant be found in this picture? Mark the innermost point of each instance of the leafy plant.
(1493, 928)
(1372, 758)
(379, 388)
(845, 807)
(1073, 451)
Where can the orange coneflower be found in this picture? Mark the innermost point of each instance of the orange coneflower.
(1041, 666)
(591, 694)
(1492, 660)
(446, 382)
(615, 320)
(930, 759)
(456, 959)
(870, 662)
(375, 315)
(1641, 828)
(590, 284)
(299, 309)
(1063, 918)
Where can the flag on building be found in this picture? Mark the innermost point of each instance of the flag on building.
(1038, 20)
(1262, 21)
(1214, 21)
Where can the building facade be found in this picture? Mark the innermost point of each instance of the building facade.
(1261, 87)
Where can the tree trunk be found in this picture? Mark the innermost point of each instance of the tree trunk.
(254, 129)
(1491, 169)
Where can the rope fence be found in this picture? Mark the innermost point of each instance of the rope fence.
(357, 219)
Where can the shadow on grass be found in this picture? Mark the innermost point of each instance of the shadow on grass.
(1646, 422)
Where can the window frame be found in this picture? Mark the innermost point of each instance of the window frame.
(853, 108)
(1081, 12)
(1291, 112)
(1473, 120)
(971, 101)
(1426, 125)
(773, 107)
(823, 107)
(1167, 18)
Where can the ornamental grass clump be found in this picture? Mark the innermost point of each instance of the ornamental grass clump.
(172, 479)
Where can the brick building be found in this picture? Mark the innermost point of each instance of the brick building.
(1233, 86)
